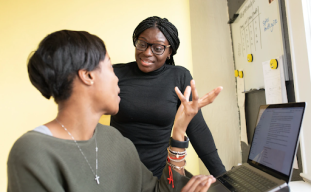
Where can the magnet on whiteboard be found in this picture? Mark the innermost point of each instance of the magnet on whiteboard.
(273, 64)
(236, 73)
(241, 74)
(250, 57)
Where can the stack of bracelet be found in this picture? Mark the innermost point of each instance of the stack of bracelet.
(179, 157)
(176, 156)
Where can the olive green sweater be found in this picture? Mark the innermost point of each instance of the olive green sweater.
(39, 162)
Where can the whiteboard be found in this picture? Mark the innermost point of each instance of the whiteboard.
(257, 31)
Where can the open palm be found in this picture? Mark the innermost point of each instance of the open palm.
(188, 109)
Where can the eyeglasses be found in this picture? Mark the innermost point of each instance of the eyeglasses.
(155, 48)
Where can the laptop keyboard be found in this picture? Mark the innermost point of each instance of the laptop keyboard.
(245, 180)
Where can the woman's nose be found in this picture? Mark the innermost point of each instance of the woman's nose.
(148, 51)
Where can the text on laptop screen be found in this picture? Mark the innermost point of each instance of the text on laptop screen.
(276, 130)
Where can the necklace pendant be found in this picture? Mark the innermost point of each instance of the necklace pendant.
(97, 179)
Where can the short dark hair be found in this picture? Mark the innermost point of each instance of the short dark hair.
(167, 28)
(59, 57)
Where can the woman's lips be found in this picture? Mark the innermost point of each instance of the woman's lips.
(146, 62)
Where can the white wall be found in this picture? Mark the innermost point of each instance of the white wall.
(212, 59)
(299, 28)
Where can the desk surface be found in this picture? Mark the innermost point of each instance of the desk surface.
(299, 186)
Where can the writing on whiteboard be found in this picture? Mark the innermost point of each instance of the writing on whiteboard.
(250, 32)
(269, 25)
(246, 8)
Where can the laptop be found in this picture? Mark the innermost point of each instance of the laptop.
(272, 152)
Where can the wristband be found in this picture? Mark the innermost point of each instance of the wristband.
(176, 153)
(179, 144)
(175, 166)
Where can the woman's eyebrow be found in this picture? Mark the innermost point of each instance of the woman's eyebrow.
(156, 40)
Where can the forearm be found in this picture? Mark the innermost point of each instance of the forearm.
(202, 141)
(185, 113)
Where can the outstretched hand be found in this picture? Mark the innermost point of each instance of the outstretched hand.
(199, 183)
(208, 98)
(188, 109)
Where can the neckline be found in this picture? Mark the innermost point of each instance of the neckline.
(69, 140)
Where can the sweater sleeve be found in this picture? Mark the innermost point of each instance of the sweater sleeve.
(202, 140)
(150, 183)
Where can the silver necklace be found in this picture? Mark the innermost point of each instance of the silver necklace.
(96, 149)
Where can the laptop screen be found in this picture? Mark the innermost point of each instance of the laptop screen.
(276, 136)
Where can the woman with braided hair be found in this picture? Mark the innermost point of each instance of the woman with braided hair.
(148, 104)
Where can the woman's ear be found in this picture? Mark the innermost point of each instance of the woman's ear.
(170, 52)
(87, 77)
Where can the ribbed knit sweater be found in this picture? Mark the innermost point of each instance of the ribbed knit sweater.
(39, 162)
(147, 112)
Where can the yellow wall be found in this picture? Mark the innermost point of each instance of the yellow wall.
(105, 119)
(24, 23)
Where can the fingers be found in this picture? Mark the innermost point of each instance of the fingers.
(195, 95)
(187, 93)
(204, 187)
(180, 95)
(192, 183)
(196, 103)
(209, 97)
(214, 92)
(199, 183)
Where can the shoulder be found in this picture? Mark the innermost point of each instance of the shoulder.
(180, 75)
(31, 163)
(108, 131)
(29, 146)
(179, 70)
(29, 139)
(123, 65)
(112, 135)
(124, 69)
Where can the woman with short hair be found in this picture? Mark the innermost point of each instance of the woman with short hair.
(73, 152)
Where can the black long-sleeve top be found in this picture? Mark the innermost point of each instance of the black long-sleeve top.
(147, 112)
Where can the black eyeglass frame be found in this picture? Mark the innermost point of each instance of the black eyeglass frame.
(150, 44)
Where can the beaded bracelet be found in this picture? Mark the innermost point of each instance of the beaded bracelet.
(177, 159)
(176, 153)
(175, 166)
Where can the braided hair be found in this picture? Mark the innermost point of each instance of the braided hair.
(167, 28)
